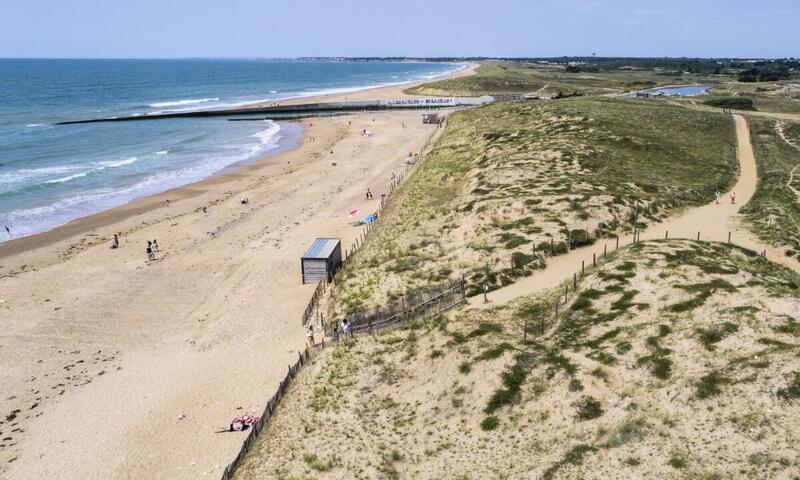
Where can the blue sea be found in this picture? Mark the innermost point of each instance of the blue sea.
(51, 174)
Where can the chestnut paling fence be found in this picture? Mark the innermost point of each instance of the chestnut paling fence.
(422, 303)
(435, 299)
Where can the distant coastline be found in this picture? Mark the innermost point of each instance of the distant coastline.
(179, 101)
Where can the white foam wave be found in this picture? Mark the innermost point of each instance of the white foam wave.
(67, 178)
(178, 103)
(118, 163)
(273, 91)
(32, 125)
(162, 152)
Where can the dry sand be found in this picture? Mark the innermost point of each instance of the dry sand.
(113, 367)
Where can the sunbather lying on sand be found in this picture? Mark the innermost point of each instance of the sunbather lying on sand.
(240, 424)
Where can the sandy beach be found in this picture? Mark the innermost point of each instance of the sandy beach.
(115, 367)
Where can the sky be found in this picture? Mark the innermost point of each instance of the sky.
(430, 28)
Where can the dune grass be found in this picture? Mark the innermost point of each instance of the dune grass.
(511, 181)
(521, 78)
(774, 210)
(548, 408)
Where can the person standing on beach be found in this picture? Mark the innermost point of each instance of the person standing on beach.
(115, 242)
(155, 245)
(310, 335)
(717, 194)
(733, 198)
(8, 232)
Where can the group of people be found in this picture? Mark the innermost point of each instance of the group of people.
(346, 332)
(152, 248)
(718, 195)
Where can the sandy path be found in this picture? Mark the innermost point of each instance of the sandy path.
(713, 221)
(101, 352)
(779, 128)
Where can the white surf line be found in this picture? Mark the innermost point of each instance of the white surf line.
(713, 221)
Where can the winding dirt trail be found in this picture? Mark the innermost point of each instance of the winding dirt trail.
(779, 129)
(713, 221)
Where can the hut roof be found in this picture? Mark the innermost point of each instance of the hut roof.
(321, 248)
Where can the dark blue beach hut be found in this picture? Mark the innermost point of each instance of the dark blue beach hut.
(321, 260)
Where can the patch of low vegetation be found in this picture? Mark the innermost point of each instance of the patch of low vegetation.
(792, 389)
(510, 184)
(732, 103)
(711, 384)
(490, 423)
(774, 210)
(588, 408)
(709, 337)
(574, 456)
(564, 406)
(512, 382)
(557, 79)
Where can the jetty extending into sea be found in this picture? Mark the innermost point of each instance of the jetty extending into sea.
(305, 109)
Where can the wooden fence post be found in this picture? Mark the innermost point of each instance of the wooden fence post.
(666, 235)
(583, 268)
(729, 237)
(605, 248)
(594, 260)
(617, 243)
(698, 236)
(574, 282)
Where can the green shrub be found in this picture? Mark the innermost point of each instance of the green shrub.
(490, 423)
(588, 408)
(733, 103)
(710, 384)
(792, 389)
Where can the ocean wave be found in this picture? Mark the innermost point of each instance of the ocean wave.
(117, 163)
(178, 103)
(67, 178)
(161, 152)
(32, 125)
(26, 174)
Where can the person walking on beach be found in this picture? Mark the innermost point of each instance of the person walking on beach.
(155, 245)
(717, 194)
(369, 194)
(8, 232)
(733, 198)
(150, 255)
(310, 335)
(115, 242)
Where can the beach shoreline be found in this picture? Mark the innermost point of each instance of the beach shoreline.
(142, 204)
(116, 367)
